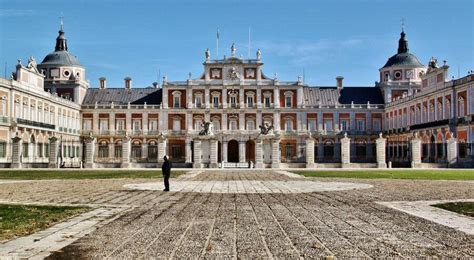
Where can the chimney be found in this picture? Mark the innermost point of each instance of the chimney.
(102, 83)
(339, 80)
(128, 83)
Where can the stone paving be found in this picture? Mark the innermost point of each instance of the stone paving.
(343, 224)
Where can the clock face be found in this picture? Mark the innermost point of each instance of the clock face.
(410, 74)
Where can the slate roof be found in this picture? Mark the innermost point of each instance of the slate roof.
(361, 95)
(121, 96)
(62, 58)
(328, 96)
(403, 59)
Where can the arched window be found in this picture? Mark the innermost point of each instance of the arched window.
(216, 124)
(250, 99)
(461, 107)
(103, 149)
(118, 149)
(136, 150)
(289, 124)
(152, 151)
(198, 121)
(288, 99)
(250, 124)
(176, 99)
(198, 99)
(215, 99)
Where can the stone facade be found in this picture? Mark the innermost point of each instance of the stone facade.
(234, 115)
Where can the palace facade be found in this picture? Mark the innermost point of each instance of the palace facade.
(234, 115)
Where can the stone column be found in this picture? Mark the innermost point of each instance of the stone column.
(276, 97)
(415, 152)
(189, 156)
(53, 152)
(197, 154)
(310, 153)
(276, 122)
(380, 150)
(90, 152)
(259, 97)
(276, 154)
(224, 98)
(214, 156)
(161, 150)
(241, 121)
(259, 154)
(241, 151)
(16, 152)
(241, 98)
(224, 151)
(126, 149)
(346, 152)
(452, 150)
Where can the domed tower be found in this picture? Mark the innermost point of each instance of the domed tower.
(64, 74)
(400, 76)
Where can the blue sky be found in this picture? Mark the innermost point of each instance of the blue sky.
(324, 38)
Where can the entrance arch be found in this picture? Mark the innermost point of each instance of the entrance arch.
(250, 151)
(233, 151)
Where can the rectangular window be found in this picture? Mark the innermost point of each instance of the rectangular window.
(103, 125)
(312, 125)
(360, 124)
(137, 125)
(288, 101)
(215, 101)
(40, 150)
(233, 101)
(153, 125)
(345, 125)
(250, 101)
(288, 125)
(118, 151)
(46, 149)
(3, 150)
(198, 101)
(233, 125)
(176, 151)
(25, 150)
(377, 126)
(176, 125)
(120, 125)
(176, 102)
(328, 124)
(250, 125)
(87, 124)
(267, 101)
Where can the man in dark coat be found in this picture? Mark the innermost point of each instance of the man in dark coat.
(166, 169)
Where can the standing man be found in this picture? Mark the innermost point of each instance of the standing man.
(166, 169)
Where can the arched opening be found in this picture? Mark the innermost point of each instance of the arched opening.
(233, 151)
(250, 150)
(152, 151)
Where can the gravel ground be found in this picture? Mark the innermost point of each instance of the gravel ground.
(343, 224)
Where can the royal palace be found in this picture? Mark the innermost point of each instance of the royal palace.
(234, 115)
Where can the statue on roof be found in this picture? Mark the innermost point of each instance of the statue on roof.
(32, 65)
(233, 49)
(208, 54)
(433, 64)
(259, 54)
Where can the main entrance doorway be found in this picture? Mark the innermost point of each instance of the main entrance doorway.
(233, 151)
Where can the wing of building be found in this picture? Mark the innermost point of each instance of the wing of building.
(234, 115)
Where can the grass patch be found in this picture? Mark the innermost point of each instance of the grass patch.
(21, 220)
(394, 174)
(465, 208)
(82, 174)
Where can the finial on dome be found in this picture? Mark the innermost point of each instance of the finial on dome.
(403, 25)
(61, 18)
(403, 42)
(61, 41)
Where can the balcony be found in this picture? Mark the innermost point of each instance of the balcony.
(35, 123)
(153, 132)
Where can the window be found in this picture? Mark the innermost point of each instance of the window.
(461, 107)
(3, 149)
(46, 149)
(312, 123)
(328, 124)
(103, 125)
(177, 124)
(250, 100)
(215, 101)
(176, 151)
(233, 101)
(288, 125)
(377, 125)
(177, 101)
(118, 150)
(288, 101)
(360, 124)
(136, 150)
(153, 125)
(40, 150)
(103, 150)
(328, 150)
(87, 124)
(345, 125)
(267, 101)
(120, 124)
(250, 125)
(198, 101)
(152, 151)
(25, 150)
(233, 124)
(137, 124)
(198, 124)
(288, 151)
(18, 110)
(216, 124)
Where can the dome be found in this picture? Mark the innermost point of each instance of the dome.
(61, 58)
(403, 59)
(61, 54)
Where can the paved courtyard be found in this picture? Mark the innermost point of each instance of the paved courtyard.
(250, 214)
